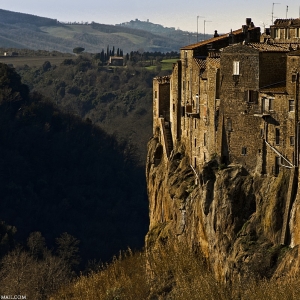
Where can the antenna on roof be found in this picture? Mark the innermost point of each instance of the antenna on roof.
(197, 25)
(273, 11)
(287, 9)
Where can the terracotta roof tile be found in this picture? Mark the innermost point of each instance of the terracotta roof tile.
(286, 23)
(214, 39)
(264, 47)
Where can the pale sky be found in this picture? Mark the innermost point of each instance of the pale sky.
(217, 14)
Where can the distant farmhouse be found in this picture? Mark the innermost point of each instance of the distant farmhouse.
(10, 53)
(116, 61)
(235, 97)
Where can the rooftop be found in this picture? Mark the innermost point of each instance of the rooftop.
(286, 23)
(215, 39)
(265, 47)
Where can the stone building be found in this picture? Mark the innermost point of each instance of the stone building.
(235, 98)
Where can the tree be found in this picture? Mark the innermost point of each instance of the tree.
(78, 50)
(68, 249)
(36, 244)
(46, 66)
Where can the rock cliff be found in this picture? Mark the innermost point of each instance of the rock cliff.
(235, 218)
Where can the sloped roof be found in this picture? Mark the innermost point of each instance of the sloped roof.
(279, 23)
(215, 39)
(278, 88)
(265, 47)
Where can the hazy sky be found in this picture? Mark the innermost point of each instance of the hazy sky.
(220, 15)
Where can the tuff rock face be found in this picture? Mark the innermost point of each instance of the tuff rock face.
(233, 217)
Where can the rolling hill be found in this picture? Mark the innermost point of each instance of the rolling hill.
(19, 30)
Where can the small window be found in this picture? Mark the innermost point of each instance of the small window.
(205, 86)
(291, 105)
(277, 136)
(297, 32)
(294, 77)
(195, 142)
(287, 33)
(173, 107)
(252, 96)
(277, 165)
(271, 104)
(236, 68)
(277, 33)
(229, 125)
(267, 104)
(292, 140)
(155, 94)
(244, 151)
(195, 124)
(204, 139)
(182, 111)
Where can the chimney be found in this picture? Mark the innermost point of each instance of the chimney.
(216, 33)
(248, 22)
(231, 37)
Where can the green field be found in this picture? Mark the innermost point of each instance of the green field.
(166, 64)
(35, 61)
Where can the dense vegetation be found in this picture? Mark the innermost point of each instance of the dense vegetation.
(119, 99)
(65, 184)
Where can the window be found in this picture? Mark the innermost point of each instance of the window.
(277, 136)
(195, 124)
(197, 103)
(155, 94)
(297, 32)
(287, 33)
(267, 104)
(277, 165)
(229, 125)
(292, 140)
(195, 142)
(244, 150)
(252, 96)
(236, 68)
(204, 139)
(271, 104)
(294, 77)
(277, 33)
(291, 105)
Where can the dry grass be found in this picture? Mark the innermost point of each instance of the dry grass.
(172, 274)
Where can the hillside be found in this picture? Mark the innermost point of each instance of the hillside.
(117, 99)
(27, 31)
(61, 174)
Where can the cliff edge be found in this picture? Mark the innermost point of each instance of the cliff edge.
(244, 224)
